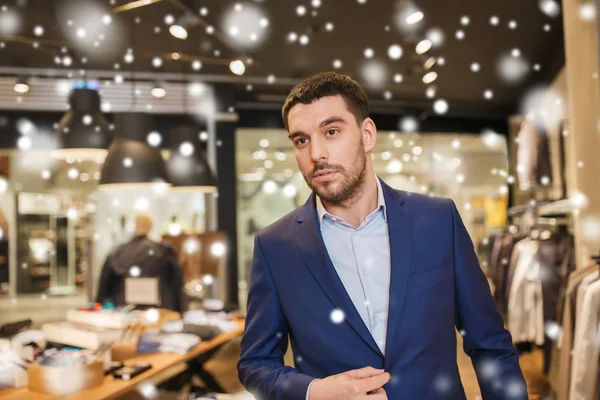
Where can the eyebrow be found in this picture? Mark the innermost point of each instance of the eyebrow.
(326, 122)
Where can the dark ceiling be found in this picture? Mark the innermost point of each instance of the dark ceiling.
(524, 36)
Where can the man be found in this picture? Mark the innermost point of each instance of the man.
(368, 282)
(142, 257)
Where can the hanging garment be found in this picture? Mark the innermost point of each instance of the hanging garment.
(533, 155)
(581, 290)
(554, 257)
(585, 348)
(565, 343)
(525, 306)
(509, 255)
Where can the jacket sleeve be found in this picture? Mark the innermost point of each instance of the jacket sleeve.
(104, 293)
(179, 301)
(489, 345)
(261, 366)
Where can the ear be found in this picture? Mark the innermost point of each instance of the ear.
(369, 134)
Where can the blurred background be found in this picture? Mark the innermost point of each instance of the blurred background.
(172, 108)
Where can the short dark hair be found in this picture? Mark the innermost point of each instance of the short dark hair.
(328, 84)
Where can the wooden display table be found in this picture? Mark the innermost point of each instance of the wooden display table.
(115, 387)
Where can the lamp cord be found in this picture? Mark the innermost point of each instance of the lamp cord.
(134, 83)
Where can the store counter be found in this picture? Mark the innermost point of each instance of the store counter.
(114, 387)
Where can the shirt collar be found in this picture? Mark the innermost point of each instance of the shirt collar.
(322, 212)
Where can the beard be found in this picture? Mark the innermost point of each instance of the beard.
(342, 190)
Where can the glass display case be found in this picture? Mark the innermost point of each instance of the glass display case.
(54, 233)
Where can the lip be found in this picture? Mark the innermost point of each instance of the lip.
(325, 176)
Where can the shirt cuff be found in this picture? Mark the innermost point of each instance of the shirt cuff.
(309, 385)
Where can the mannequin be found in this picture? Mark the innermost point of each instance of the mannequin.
(143, 224)
(142, 257)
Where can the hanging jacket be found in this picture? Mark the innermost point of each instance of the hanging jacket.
(533, 155)
(153, 260)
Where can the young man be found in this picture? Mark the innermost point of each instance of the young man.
(368, 282)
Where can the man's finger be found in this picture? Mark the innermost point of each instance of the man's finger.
(365, 372)
(374, 382)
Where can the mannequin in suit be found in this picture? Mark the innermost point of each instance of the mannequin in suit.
(152, 259)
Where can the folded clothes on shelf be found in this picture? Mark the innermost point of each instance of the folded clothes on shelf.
(221, 320)
(164, 342)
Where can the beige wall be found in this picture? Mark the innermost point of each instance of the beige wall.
(583, 139)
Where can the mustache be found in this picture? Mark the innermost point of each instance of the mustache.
(325, 166)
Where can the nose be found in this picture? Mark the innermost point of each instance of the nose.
(318, 151)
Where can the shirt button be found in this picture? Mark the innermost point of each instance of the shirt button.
(366, 271)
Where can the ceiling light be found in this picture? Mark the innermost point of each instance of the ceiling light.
(83, 132)
(147, 165)
(414, 17)
(21, 86)
(188, 170)
(237, 67)
(178, 31)
(158, 91)
(423, 47)
(429, 63)
(429, 77)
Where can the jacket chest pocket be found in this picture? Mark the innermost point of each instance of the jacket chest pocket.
(430, 275)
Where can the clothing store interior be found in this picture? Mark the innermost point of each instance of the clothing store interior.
(142, 148)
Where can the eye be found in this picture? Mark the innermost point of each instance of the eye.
(300, 141)
(331, 132)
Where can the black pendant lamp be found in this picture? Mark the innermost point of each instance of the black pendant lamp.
(187, 167)
(131, 162)
(83, 132)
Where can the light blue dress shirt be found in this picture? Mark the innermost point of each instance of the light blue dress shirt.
(361, 257)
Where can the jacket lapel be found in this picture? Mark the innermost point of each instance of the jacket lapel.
(311, 245)
(400, 236)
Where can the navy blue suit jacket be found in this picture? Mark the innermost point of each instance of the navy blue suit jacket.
(436, 286)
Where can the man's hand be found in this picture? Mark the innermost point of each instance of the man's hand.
(357, 384)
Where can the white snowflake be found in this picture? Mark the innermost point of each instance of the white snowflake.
(337, 316)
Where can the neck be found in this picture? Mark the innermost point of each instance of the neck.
(356, 210)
